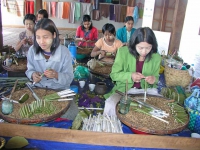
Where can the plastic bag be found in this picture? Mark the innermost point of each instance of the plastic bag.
(81, 72)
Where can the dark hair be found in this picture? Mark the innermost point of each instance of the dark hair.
(47, 24)
(143, 35)
(29, 17)
(43, 12)
(86, 18)
(129, 18)
(110, 28)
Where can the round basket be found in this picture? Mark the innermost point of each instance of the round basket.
(14, 117)
(175, 77)
(21, 67)
(84, 50)
(104, 70)
(143, 124)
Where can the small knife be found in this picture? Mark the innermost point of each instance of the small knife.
(34, 94)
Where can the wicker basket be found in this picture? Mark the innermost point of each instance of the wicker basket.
(175, 77)
(84, 50)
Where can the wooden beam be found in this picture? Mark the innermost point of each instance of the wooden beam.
(98, 138)
(164, 15)
(1, 31)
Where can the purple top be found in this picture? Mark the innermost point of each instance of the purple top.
(139, 66)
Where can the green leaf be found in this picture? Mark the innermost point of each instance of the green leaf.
(16, 142)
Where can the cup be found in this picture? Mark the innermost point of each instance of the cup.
(82, 84)
(91, 87)
(74, 88)
(124, 105)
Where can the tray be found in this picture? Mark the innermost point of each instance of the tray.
(22, 67)
(129, 121)
(84, 50)
(14, 117)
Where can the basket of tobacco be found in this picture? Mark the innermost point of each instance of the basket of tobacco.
(157, 115)
(36, 106)
(15, 64)
(84, 50)
(100, 67)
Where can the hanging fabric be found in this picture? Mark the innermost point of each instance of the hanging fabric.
(117, 13)
(104, 10)
(72, 11)
(115, 1)
(29, 9)
(44, 5)
(59, 10)
(135, 14)
(66, 10)
(20, 8)
(112, 12)
(129, 11)
(123, 13)
(11, 6)
(84, 1)
(141, 9)
(49, 8)
(131, 3)
(53, 9)
(123, 2)
(95, 4)
(96, 15)
(86, 8)
(77, 13)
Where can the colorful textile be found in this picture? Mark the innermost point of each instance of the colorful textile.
(86, 8)
(29, 7)
(77, 13)
(123, 2)
(131, 3)
(53, 9)
(112, 12)
(66, 10)
(72, 12)
(90, 35)
(49, 8)
(104, 10)
(59, 10)
(135, 14)
(44, 5)
(84, 1)
(20, 8)
(115, 1)
(11, 6)
(129, 11)
(95, 4)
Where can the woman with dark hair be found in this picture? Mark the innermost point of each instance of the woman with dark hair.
(138, 63)
(124, 34)
(42, 13)
(49, 62)
(26, 37)
(107, 45)
(86, 34)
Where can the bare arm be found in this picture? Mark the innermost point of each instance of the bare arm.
(96, 51)
(19, 44)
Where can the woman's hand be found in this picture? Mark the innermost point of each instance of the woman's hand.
(102, 54)
(136, 76)
(150, 79)
(50, 73)
(36, 76)
(24, 41)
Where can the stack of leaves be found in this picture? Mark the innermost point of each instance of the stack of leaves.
(37, 107)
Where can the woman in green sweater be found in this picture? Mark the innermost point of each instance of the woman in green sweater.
(137, 63)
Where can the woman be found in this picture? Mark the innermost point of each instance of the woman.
(107, 46)
(124, 34)
(49, 63)
(42, 13)
(26, 37)
(86, 34)
(138, 63)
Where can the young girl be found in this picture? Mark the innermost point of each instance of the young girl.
(26, 37)
(49, 63)
(138, 63)
(42, 13)
(86, 34)
(124, 34)
(107, 46)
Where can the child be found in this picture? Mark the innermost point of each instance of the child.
(26, 37)
(42, 13)
(49, 62)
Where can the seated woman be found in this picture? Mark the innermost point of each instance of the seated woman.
(42, 13)
(107, 46)
(138, 63)
(49, 63)
(124, 34)
(26, 37)
(86, 34)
